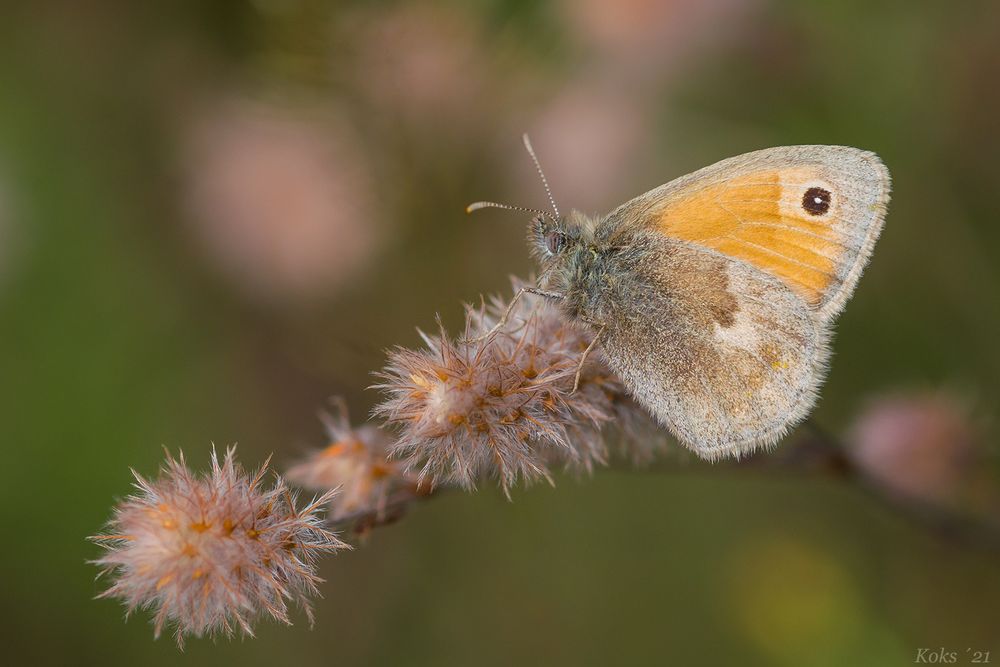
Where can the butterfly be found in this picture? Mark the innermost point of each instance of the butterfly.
(713, 296)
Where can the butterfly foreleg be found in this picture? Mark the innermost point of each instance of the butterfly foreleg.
(586, 353)
(502, 322)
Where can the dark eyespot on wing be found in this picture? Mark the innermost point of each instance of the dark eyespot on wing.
(816, 201)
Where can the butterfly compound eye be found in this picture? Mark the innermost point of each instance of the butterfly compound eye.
(555, 242)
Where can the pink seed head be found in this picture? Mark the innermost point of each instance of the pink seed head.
(211, 553)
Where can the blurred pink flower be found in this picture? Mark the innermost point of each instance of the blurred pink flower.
(592, 140)
(281, 204)
(645, 36)
(918, 445)
(421, 62)
(212, 553)
(597, 135)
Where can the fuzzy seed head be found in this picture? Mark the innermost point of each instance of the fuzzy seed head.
(355, 464)
(212, 553)
(501, 406)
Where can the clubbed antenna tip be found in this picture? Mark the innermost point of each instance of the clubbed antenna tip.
(475, 206)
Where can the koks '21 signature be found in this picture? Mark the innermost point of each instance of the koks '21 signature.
(944, 656)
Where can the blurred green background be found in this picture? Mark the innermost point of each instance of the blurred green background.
(214, 215)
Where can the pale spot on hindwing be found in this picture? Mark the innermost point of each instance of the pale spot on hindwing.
(761, 368)
(741, 332)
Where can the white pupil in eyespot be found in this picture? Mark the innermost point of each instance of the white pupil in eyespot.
(818, 200)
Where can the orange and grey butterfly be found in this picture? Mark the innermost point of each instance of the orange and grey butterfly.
(713, 295)
(719, 315)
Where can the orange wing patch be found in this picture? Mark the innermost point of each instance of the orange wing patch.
(760, 218)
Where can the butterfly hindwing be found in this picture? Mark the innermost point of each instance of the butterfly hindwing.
(726, 356)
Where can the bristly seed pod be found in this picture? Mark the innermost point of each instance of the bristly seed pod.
(212, 553)
(355, 463)
(502, 406)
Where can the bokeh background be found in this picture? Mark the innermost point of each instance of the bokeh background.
(214, 215)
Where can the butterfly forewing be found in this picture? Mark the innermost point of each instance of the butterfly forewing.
(809, 215)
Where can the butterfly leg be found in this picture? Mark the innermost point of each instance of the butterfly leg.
(510, 308)
(586, 353)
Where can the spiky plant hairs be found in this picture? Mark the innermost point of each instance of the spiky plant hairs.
(501, 406)
(212, 553)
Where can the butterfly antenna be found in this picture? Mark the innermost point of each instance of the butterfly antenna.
(538, 166)
(475, 206)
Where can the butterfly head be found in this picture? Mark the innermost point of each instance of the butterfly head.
(553, 239)
(563, 244)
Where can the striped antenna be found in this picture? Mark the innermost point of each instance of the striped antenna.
(475, 206)
(538, 166)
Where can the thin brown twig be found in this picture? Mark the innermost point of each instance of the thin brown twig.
(818, 453)
(947, 522)
(392, 510)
